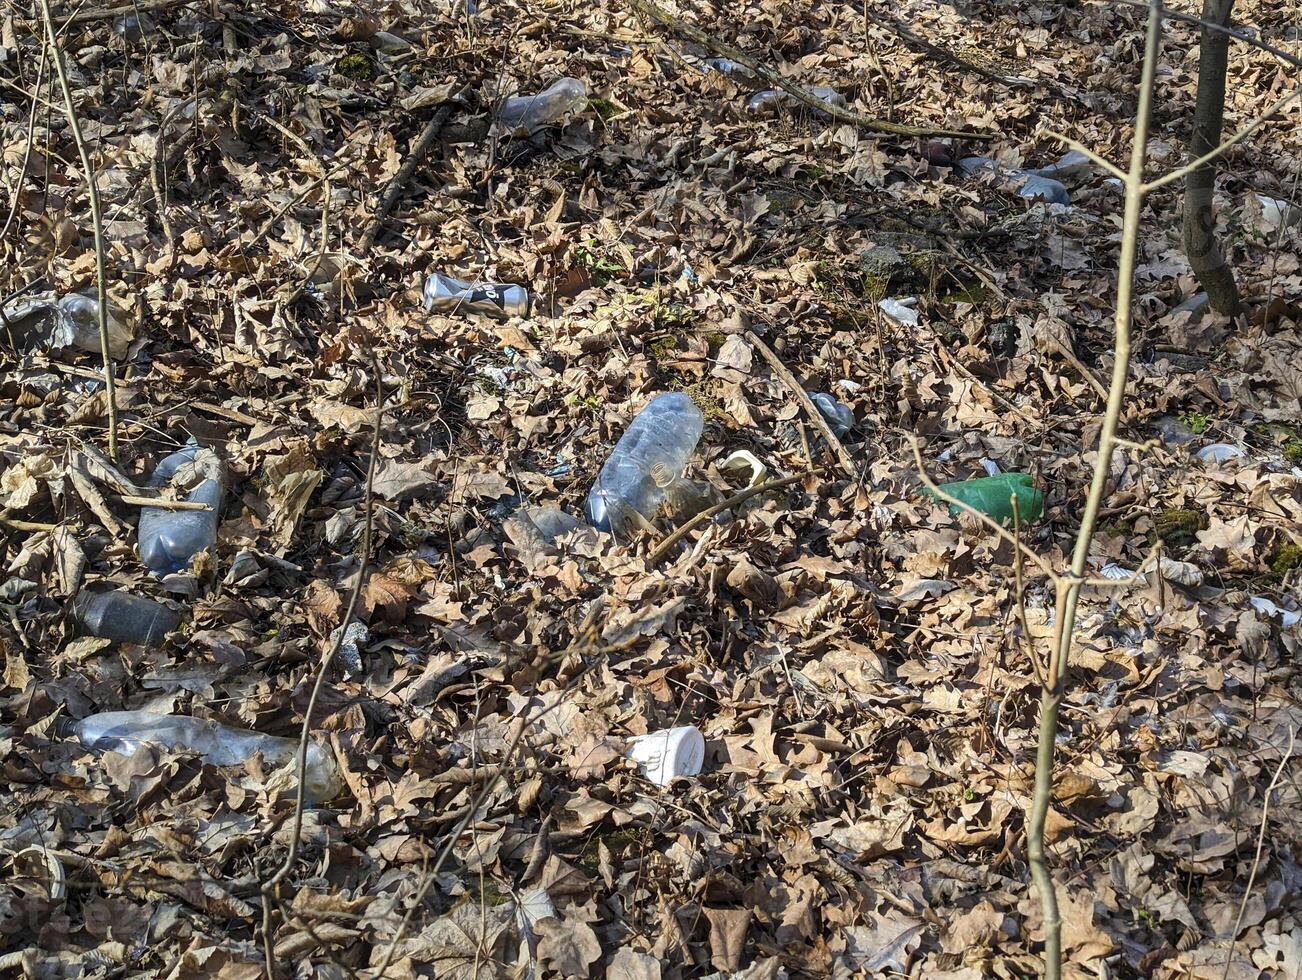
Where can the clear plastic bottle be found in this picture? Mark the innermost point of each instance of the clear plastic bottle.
(1026, 183)
(549, 107)
(444, 294)
(645, 464)
(839, 417)
(726, 66)
(770, 99)
(1036, 188)
(124, 618)
(218, 744)
(79, 317)
(168, 539)
(1073, 163)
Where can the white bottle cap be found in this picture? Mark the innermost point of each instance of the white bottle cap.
(666, 754)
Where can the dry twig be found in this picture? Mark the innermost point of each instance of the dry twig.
(97, 220)
(414, 157)
(270, 887)
(779, 80)
(815, 416)
(685, 528)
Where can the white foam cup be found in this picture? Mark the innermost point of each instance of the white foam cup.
(669, 753)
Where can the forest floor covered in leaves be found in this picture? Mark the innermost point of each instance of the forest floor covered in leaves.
(853, 656)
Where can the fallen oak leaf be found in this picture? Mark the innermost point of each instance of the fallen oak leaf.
(567, 946)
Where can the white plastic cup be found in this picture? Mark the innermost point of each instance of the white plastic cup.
(664, 755)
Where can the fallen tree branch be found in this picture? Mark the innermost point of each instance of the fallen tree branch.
(783, 372)
(918, 41)
(323, 179)
(414, 156)
(108, 13)
(797, 91)
(685, 528)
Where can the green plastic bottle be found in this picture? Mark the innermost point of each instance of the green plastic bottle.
(992, 496)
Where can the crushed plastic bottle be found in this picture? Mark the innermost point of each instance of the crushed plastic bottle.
(72, 321)
(168, 539)
(839, 418)
(645, 464)
(218, 744)
(124, 618)
(550, 107)
(443, 294)
(1277, 214)
(726, 66)
(901, 310)
(1287, 617)
(992, 496)
(1073, 163)
(771, 99)
(1025, 183)
(79, 316)
(1035, 188)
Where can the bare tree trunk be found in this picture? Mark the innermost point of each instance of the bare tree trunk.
(1213, 272)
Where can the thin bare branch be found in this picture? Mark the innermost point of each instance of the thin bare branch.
(778, 80)
(1225, 145)
(1256, 857)
(1068, 590)
(1079, 147)
(270, 886)
(685, 528)
(323, 177)
(811, 410)
(97, 221)
(27, 152)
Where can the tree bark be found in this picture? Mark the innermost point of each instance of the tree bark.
(1213, 272)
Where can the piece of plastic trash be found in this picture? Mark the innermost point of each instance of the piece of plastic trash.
(665, 755)
(79, 314)
(1173, 431)
(1073, 163)
(990, 466)
(1025, 183)
(725, 66)
(839, 418)
(123, 618)
(168, 539)
(743, 461)
(350, 652)
(133, 26)
(1036, 188)
(70, 321)
(1196, 305)
(1218, 453)
(770, 100)
(389, 44)
(219, 745)
(550, 107)
(1287, 617)
(443, 294)
(1276, 214)
(646, 462)
(552, 522)
(992, 496)
(901, 310)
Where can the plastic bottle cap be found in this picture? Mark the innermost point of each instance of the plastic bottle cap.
(662, 756)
